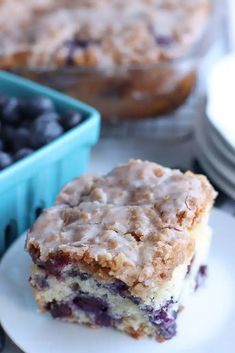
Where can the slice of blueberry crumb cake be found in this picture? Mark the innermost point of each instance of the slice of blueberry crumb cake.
(123, 250)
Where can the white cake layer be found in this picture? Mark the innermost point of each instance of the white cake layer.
(178, 287)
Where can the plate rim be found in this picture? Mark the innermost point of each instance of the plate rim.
(203, 142)
(220, 181)
(219, 144)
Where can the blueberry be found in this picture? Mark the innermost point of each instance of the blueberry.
(118, 287)
(188, 269)
(75, 287)
(23, 153)
(201, 276)
(21, 139)
(53, 131)
(164, 40)
(3, 101)
(2, 339)
(81, 43)
(59, 310)
(103, 320)
(26, 124)
(72, 45)
(7, 132)
(71, 119)
(8, 135)
(164, 319)
(84, 276)
(43, 132)
(96, 306)
(167, 329)
(41, 282)
(49, 117)
(73, 273)
(121, 288)
(135, 300)
(76, 273)
(10, 112)
(91, 305)
(5, 160)
(1, 145)
(56, 263)
(37, 106)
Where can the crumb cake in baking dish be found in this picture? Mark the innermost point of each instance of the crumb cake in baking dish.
(115, 46)
(123, 250)
(99, 33)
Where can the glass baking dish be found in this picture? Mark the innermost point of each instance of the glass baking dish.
(130, 92)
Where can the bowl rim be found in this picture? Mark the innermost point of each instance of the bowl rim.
(197, 51)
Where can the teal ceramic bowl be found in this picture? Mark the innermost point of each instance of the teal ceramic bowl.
(32, 184)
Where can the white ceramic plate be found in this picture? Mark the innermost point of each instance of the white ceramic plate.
(220, 103)
(223, 167)
(206, 326)
(218, 178)
(219, 143)
(217, 168)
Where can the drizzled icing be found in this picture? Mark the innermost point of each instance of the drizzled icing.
(134, 223)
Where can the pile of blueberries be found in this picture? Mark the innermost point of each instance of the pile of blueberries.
(2, 339)
(28, 124)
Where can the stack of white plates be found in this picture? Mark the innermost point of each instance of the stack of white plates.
(215, 133)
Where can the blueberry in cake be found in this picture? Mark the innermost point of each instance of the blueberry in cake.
(123, 250)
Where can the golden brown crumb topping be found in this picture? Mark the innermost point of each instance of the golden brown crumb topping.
(100, 33)
(132, 224)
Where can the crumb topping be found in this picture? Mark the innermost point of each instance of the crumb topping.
(100, 33)
(132, 224)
